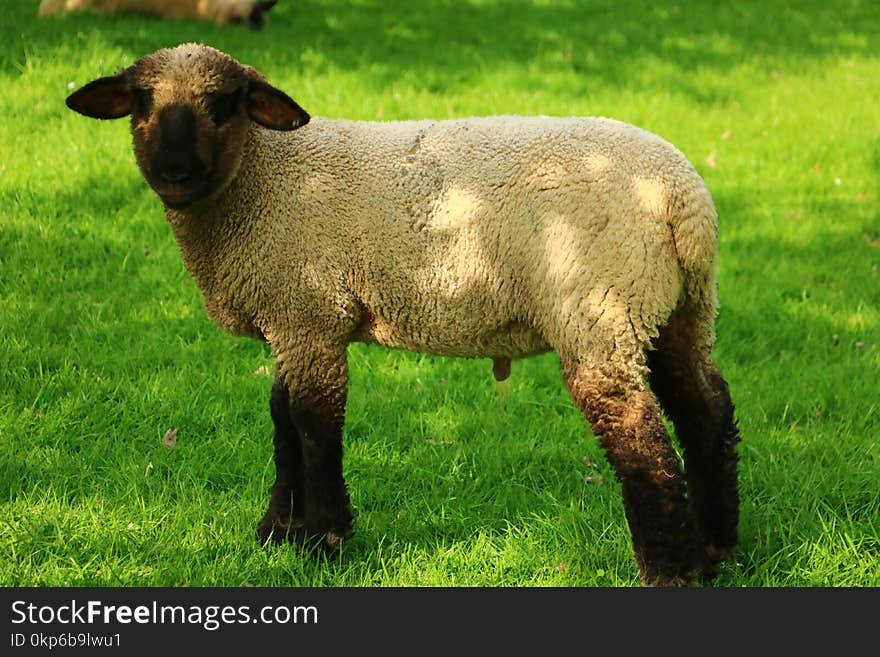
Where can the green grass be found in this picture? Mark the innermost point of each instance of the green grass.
(105, 344)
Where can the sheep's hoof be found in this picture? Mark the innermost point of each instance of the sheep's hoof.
(326, 543)
(311, 541)
(666, 581)
(713, 557)
(718, 554)
(272, 529)
(670, 575)
(665, 573)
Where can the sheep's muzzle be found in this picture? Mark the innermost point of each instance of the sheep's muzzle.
(177, 173)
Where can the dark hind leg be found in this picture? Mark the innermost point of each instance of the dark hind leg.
(695, 396)
(626, 417)
(285, 512)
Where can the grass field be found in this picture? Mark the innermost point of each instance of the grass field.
(105, 346)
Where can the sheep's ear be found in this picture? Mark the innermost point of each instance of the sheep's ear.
(104, 98)
(274, 109)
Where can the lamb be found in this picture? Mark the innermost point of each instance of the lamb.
(219, 11)
(495, 237)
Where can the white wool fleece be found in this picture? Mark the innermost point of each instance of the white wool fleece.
(484, 237)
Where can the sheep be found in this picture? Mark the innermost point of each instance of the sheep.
(486, 237)
(219, 11)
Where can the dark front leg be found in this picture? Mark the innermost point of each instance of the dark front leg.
(326, 513)
(286, 502)
(309, 503)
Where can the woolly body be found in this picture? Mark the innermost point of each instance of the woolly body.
(483, 237)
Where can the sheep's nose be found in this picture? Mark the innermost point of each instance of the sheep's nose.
(176, 161)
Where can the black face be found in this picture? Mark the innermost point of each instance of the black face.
(188, 151)
(178, 174)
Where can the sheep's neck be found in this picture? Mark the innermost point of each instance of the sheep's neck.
(212, 243)
(197, 231)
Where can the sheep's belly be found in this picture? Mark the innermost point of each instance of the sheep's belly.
(510, 339)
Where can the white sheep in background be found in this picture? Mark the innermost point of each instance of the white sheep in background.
(497, 237)
(219, 11)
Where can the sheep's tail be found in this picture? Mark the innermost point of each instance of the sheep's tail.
(694, 224)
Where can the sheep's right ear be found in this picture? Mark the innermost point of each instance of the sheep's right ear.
(272, 108)
(104, 98)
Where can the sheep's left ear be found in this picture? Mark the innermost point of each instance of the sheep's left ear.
(272, 108)
(104, 98)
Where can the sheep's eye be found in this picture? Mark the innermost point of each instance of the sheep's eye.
(223, 106)
(142, 102)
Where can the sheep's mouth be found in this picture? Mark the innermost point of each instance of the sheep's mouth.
(179, 183)
(176, 201)
(178, 197)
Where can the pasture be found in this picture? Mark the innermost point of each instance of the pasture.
(135, 437)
